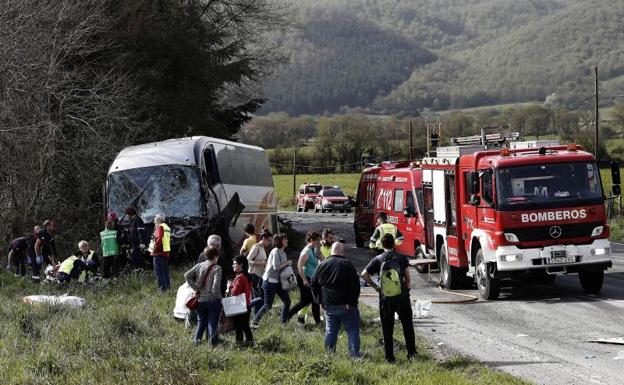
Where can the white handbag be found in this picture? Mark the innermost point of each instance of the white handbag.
(234, 305)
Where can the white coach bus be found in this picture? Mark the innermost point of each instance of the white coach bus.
(202, 185)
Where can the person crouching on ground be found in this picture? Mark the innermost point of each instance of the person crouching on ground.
(393, 271)
(271, 280)
(205, 279)
(242, 284)
(336, 285)
(71, 268)
(89, 258)
(159, 250)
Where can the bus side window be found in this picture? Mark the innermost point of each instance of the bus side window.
(210, 167)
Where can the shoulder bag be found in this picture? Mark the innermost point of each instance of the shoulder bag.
(191, 303)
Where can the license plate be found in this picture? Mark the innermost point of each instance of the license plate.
(560, 257)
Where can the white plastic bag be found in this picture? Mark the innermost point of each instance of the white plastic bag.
(422, 309)
(63, 300)
(288, 278)
(234, 305)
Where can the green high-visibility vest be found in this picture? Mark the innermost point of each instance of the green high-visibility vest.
(386, 228)
(109, 243)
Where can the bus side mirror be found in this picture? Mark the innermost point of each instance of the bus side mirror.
(474, 200)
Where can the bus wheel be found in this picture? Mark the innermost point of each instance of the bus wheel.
(591, 280)
(451, 276)
(489, 288)
(422, 269)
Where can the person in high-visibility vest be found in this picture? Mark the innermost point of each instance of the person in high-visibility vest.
(70, 268)
(327, 240)
(383, 227)
(89, 258)
(110, 249)
(159, 250)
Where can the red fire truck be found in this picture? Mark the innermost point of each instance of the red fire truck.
(393, 188)
(531, 208)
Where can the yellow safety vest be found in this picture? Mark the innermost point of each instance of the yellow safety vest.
(385, 228)
(67, 265)
(83, 275)
(166, 241)
(326, 251)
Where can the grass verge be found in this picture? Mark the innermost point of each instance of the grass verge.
(126, 335)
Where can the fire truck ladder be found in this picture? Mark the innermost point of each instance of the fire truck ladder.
(487, 140)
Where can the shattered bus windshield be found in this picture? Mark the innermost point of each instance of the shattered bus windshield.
(548, 186)
(172, 190)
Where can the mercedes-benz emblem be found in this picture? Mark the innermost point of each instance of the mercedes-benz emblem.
(555, 232)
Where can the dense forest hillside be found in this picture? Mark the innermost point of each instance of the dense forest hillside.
(392, 56)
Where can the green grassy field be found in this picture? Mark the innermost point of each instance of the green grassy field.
(284, 185)
(126, 335)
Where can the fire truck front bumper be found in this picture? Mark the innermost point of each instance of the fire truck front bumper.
(512, 258)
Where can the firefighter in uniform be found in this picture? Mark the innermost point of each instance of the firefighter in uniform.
(159, 249)
(383, 227)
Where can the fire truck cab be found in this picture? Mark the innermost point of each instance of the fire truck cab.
(394, 188)
(533, 208)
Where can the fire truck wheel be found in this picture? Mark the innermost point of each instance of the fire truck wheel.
(591, 280)
(489, 287)
(422, 269)
(451, 276)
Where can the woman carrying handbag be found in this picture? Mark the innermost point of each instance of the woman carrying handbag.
(242, 285)
(205, 279)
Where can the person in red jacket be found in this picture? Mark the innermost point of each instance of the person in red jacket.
(242, 284)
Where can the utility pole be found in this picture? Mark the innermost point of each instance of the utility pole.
(294, 170)
(411, 145)
(428, 136)
(596, 113)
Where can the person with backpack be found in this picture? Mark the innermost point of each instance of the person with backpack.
(205, 278)
(257, 261)
(242, 284)
(393, 289)
(306, 265)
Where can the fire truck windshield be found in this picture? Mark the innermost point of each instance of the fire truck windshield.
(548, 186)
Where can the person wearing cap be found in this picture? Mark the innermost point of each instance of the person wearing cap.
(110, 249)
(160, 248)
(336, 286)
(327, 240)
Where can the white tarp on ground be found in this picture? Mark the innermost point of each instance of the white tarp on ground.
(185, 292)
(63, 300)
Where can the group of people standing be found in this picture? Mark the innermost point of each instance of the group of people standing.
(327, 282)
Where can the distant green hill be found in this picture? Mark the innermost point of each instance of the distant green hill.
(390, 56)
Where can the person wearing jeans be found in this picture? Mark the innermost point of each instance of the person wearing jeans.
(159, 250)
(205, 279)
(271, 280)
(336, 285)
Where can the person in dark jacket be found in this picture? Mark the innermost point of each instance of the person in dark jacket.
(136, 228)
(45, 249)
(336, 285)
(119, 261)
(17, 256)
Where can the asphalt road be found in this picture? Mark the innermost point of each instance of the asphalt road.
(537, 332)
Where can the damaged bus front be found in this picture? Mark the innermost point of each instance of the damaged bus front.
(202, 185)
